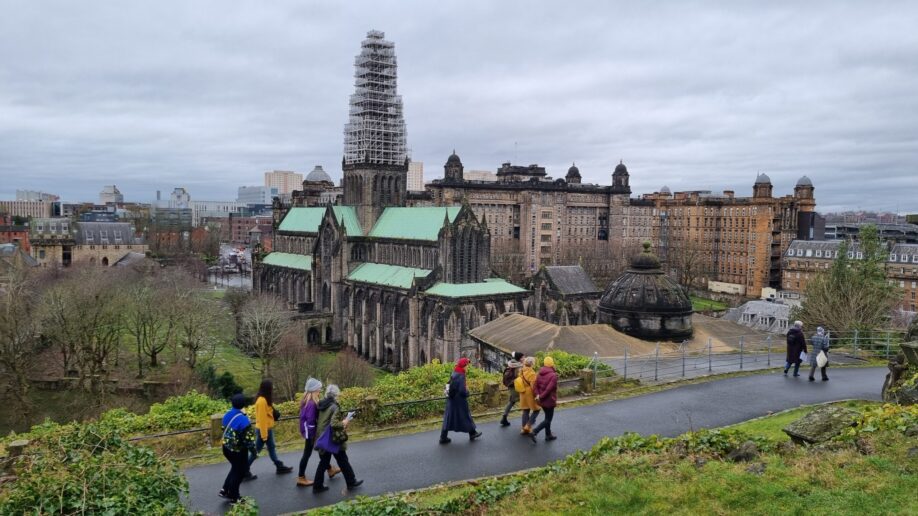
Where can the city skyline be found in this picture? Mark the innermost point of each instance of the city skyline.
(695, 98)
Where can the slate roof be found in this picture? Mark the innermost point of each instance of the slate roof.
(571, 279)
(386, 275)
(289, 260)
(489, 287)
(105, 233)
(307, 220)
(415, 223)
(12, 253)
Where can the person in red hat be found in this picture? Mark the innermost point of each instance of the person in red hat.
(458, 417)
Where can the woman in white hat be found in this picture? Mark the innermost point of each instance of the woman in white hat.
(309, 416)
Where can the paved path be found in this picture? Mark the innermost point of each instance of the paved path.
(417, 460)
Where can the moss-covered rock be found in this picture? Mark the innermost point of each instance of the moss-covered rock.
(821, 425)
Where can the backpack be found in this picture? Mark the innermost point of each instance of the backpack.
(509, 377)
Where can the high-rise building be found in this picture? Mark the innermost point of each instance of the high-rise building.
(110, 195)
(284, 181)
(27, 209)
(34, 195)
(256, 195)
(416, 176)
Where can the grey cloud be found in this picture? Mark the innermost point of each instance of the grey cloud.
(694, 95)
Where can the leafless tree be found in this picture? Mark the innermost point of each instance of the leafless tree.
(264, 322)
(151, 317)
(19, 336)
(688, 259)
(236, 299)
(295, 363)
(198, 320)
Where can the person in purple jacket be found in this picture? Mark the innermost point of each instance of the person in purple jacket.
(546, 391)
(309, 416)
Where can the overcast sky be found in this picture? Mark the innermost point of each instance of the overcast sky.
(694, 95)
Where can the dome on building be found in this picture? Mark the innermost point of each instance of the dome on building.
(762, 179)
(453, 158)
(620, 169)
(804, 181)
(319, 174)
(643, 302)
(665, 190)
(573, 171)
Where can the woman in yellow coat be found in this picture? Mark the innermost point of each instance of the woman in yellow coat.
(264, 423)
(528, 402)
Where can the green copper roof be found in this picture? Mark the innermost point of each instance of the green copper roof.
(420, 223)
(289, 260)
(488, 287)
(307, 220)
(387, 275)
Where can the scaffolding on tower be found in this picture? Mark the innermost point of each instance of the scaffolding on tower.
(375, 132)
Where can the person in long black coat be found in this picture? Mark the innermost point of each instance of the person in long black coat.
(796, 344)
(458, 417)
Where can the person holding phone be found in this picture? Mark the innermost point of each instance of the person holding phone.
(330, 420)
(309, 417)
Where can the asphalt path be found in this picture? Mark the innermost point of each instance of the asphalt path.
(418, 460)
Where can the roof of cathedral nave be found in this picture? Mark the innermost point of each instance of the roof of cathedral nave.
(406, 223)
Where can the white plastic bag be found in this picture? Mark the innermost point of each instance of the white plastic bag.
(822, 359)
(803, 356)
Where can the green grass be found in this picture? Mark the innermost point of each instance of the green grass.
(770, 426)
(700, 304)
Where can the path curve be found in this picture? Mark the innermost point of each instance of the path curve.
(417, 460)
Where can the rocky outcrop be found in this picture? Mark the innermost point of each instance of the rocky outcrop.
(821, 425)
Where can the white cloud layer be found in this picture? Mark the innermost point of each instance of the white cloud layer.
(694, 95)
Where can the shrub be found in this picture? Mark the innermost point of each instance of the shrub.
(568, 365)
(886, 417)
(222, 386)
(87, 468)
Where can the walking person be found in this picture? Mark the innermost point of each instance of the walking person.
(330, 420)
(796, 344)
(309, 418)
(820, 342)
(265, 415)
(528, 403)
(238, 439)
(546, 390)
(458, 417)
(510, 373)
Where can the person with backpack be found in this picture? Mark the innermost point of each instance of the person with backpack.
(546, 391)
(238, 440)
(510, 373)
(820, 343)
(796, 346)
(523, 385)
(265, 417)
(457, 417)
(331, 428)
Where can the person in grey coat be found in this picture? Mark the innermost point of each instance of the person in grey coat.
(820, 342)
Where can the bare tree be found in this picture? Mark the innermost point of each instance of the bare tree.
(151, 317)
(235, 299)
(295, 363)
(198, 320)
(689, 260)
(264, 322)
(19, 336)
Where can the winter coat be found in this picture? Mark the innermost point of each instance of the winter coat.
(796, 343)
(264, 417)
(329, 414)
(457, 417)
(238, 435)
(546, 386)
(510, 373)
(820, 343)
(527, 397)
(309, 417)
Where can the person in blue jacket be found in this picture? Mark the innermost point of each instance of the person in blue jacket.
(238, 441)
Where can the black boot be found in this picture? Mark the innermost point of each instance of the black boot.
(504, 422)
(444, 439)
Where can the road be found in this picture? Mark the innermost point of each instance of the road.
(417, 460)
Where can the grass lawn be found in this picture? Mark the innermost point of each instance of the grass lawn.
(770, 426)
(700, 304)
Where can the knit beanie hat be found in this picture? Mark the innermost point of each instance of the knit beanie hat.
(548, 362)
(517, 356)
(313, 385)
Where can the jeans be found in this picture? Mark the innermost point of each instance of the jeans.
(796, 368)
(307, 452)
(546, 423)
(324, 463)
(238, 468)
(530, 419)
(259, 444)
(514, 398)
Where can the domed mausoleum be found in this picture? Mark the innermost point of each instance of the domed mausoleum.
(645, 303)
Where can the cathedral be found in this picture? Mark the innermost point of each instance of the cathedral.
(400, 285)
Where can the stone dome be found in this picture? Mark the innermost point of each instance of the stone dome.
(620, 170)
(645, 303)
(762, 179)
(665, 190)
(573, 171)
(319, 174)
(453, 158)
(804, 181)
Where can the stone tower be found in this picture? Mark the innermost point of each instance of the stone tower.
(453, 169)
(375, 162)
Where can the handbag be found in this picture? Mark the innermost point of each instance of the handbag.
(277, 414)
(339, 434)
(803, 356)
(822, 359)
(326, 443)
